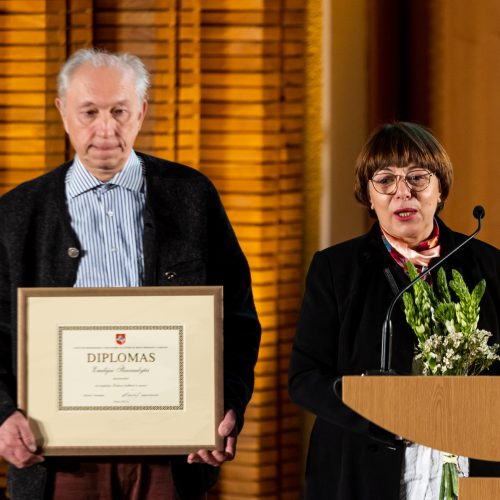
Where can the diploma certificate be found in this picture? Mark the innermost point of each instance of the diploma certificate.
(121, 371)
(121, 368)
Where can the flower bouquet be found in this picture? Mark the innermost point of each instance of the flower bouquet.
(448, 340)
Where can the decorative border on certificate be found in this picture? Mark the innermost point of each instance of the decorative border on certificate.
(124, 365)
(122, 371)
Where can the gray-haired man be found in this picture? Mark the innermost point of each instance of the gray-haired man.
(114, 217)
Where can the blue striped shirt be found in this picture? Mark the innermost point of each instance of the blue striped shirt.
(108, 220)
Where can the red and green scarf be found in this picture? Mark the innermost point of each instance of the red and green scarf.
(420, 256)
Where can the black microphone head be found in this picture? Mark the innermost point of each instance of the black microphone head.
(478, 212)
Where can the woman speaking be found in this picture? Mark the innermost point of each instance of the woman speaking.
(403, 177)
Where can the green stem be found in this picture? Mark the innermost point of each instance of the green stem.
(449, 482)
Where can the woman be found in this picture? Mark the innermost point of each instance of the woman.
(403, 177)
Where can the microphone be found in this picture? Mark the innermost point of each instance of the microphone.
(478, 213)
(385, 358)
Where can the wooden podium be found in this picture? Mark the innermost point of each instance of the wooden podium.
(460, 415)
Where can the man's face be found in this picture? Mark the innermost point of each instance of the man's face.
(102, 116)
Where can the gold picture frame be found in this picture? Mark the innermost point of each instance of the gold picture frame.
(121, 371)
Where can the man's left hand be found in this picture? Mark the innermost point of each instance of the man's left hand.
(227, 429)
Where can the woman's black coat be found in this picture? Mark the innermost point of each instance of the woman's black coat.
(348, 289)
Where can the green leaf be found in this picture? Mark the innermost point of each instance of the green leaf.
(442, 284)
(412, 270)
(454, 479)
(457, 284)
(443, 485)
(449, 482)
(429, 292)
(478, 292)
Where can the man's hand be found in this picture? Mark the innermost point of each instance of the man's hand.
(227, 429)
(17, 443)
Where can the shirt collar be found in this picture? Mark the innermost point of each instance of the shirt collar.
(79, 180)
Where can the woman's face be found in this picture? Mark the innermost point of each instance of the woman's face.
(406, 214)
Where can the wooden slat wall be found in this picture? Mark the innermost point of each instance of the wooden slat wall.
(188, 74)
(32, 47)
(291, 233)
(251, 146)
(228, 79)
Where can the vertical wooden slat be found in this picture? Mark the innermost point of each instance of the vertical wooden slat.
(80, 24)
(251, 146)
(167, 78)
(188, 83)
(291, 233)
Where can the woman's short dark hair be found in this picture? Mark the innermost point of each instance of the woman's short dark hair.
(400, 144)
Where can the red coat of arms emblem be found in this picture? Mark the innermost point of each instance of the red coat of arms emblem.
(120, 338)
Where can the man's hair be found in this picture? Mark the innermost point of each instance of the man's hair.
(101, 58)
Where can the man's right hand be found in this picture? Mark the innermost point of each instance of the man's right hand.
(17, 443)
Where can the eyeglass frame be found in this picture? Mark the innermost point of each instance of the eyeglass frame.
(399, 177)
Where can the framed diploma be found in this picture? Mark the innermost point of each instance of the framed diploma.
(121, 371)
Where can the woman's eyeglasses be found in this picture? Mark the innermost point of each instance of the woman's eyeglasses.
(386, 183)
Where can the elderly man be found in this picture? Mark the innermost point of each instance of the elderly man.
(114, 217)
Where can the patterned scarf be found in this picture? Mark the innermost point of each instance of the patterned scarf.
(420, 256)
